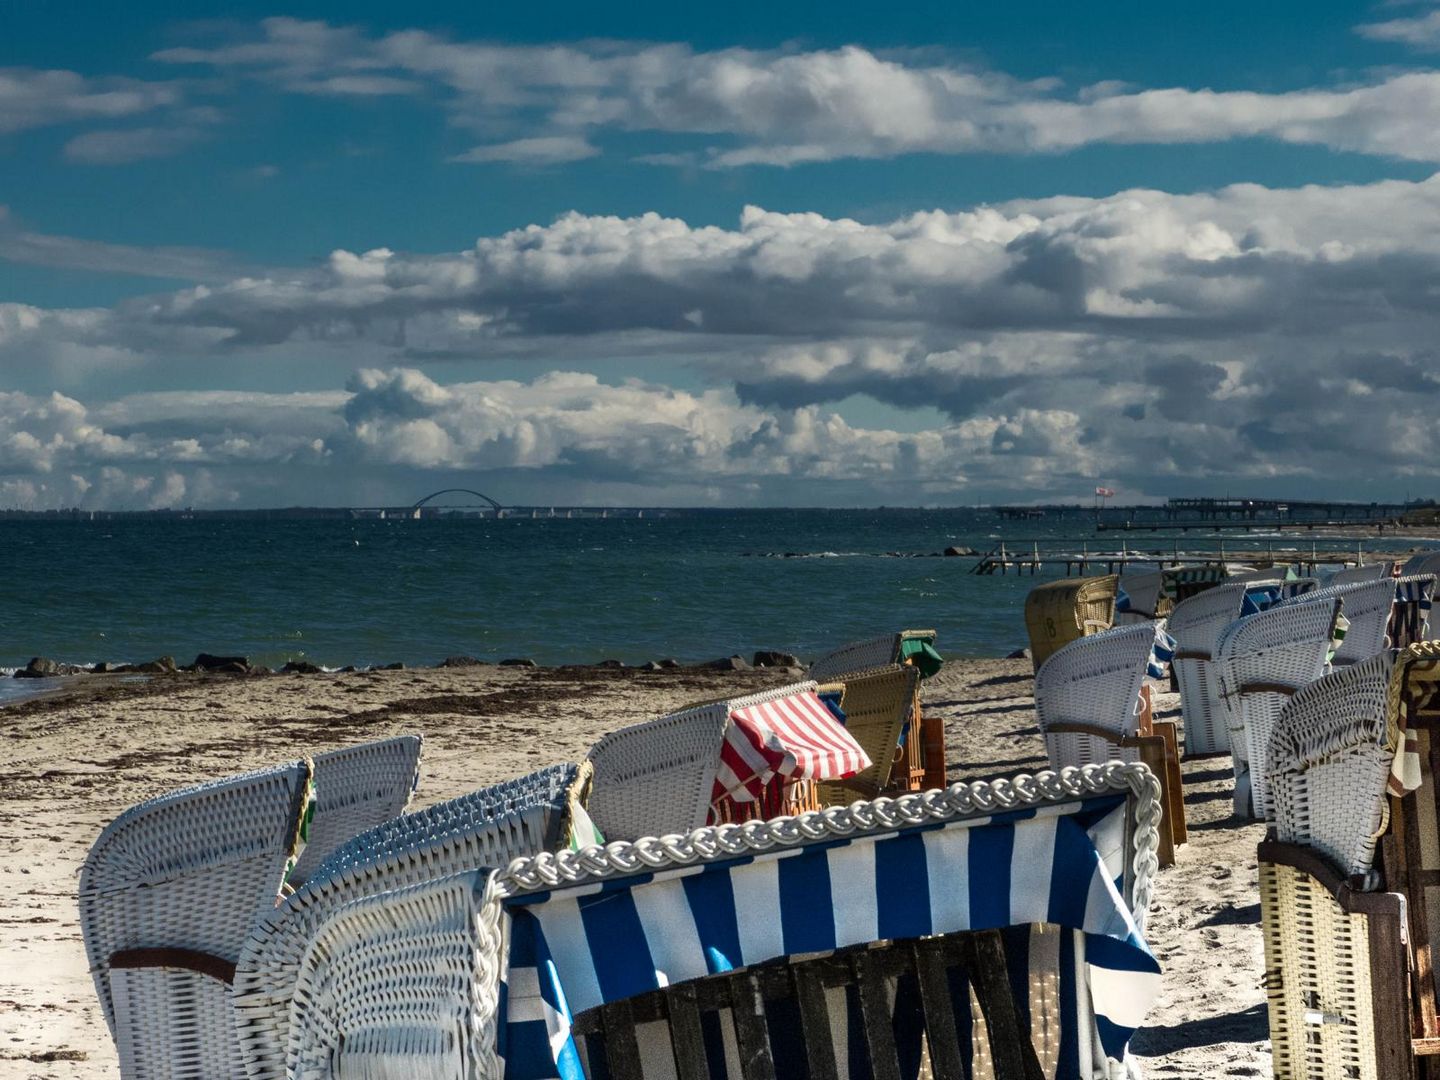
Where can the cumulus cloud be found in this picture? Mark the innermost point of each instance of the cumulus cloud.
(787, 107)
(1417, 31)
(33, 98)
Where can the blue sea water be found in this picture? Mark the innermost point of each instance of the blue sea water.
(690, 585)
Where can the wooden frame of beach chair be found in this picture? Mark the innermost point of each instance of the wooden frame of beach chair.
(488, 827)
(1059, 612)
(1091, 707)
(167, 895)
(877, 704)
(1261, 661)
(1196, 624)
(357, 788)
(420, 982)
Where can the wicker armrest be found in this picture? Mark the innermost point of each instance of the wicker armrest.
(1193, 654)
(1312, 862)
(1266, 688)
(1097, 731)
(202, 963)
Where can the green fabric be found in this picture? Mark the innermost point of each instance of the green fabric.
(922, 654)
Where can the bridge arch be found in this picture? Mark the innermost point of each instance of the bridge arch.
(457, 491)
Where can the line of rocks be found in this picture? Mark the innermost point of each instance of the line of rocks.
(41, 667)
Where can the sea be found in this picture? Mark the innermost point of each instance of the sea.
(688, 585)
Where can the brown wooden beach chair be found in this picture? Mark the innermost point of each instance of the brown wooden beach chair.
(878, 705)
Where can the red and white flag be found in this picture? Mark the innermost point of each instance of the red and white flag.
(1105, 493)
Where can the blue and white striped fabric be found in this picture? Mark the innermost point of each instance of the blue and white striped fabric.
(1161, 653)
(1410, 621)
(571, 950)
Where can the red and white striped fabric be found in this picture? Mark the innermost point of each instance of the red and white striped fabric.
(796, 737)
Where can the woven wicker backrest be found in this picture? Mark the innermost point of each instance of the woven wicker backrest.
(1330, 755)
(189, 871)
(1367, 608)
(1060, 612)
(1261, 660)
(877, 705)
(1144, 588)
(357, 788)
(1354, 575)
(1426, 562)
(1196, 623)
(489, 827)
(857, 656)
(1094, 681)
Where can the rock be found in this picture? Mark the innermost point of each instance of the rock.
(206, 662)
(103, 668)
(772, 658)
(1019, 654)
(612, 664)
(165, 665)
(41, 667)
(234, 667)
(952, 552)
(261, 669)
(349, 669)
(727, 663)
(652, 665)
(668, 664)
(516, 661)
(398, 665)
(300, 667)
(459, 661)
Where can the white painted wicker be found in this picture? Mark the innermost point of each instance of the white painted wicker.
(1423, 563)
(172, 886)
(1330, 756)
(658, 777)
(1195, 624)
(1367, 609)
(1144, 588)
(406, 984)
(1261, 661)
(489, 827)
(1354, 575)
(357, 788)
(857, 656)
(1094, 681)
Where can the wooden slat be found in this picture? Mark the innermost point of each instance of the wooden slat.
(1175, 791)
(815, 1022)
(1011, 1049)
(622, 1052)
(941, 1032)
(687, 1040)
(747, 1007)
(1389, 991)
(875, 1009)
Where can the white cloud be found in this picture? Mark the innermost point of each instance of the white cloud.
(125, 145)
(33, 98)
(541, 150)
(1417, 31)
(784, 107)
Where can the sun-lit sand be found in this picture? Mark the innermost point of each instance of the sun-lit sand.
(73, 763)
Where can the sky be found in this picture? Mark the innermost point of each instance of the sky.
(717, 255)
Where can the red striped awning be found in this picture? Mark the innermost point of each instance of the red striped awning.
(795, 737)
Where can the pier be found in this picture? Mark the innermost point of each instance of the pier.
(1033, 556)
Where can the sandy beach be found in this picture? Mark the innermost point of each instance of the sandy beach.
(71, 763)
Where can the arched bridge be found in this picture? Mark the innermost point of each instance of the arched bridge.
(457, 491)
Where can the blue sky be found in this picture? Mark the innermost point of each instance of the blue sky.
(738, 254)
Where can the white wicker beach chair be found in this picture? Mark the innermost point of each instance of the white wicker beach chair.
(357, 788)
(1410, 617)
(441, 979)
(489, 827)
(1368, 605)
(1426, 562)
(1087, 696)
(1144, 591)
(167, 895)
(867, 655)
(658, 777)
(1261, 661)
(1354, 575)
(1196, 624)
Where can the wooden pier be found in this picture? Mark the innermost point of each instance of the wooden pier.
(1027, 556)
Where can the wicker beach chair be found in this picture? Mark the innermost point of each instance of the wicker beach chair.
(1410, 617)
(922, 759)
(685, 959)
(1143, 595)
(1196, 625)
(1354, 575)
(1091, 709)
(1348, 909)
(1059, 612)
(1261, 661)
(1425, 562)
(489, 827)
(167, 895)
(878, 705)
(659, 777)
(357, 788)
(1368, 607)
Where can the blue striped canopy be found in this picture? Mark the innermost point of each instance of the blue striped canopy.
(573, 949)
